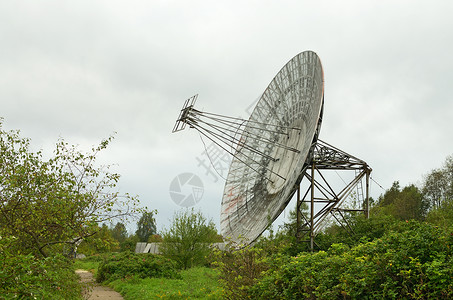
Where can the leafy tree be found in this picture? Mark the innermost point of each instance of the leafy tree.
(443, 215)
(49, 203)
(188, 239)
(410, 204)
(119, 232)
(155, 238)
(390, 195)
(129, 244)
(404, 204)
(438, 184)
(146, 226)
(101, 242)
(438, 191)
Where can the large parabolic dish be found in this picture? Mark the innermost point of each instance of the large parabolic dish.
(287, 118)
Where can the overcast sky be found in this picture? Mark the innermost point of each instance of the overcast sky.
(82, 70)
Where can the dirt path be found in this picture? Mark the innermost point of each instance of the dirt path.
(97, 291)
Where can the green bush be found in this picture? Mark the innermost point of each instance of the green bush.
(412, 263)
(129, 244)
(363, 230)
(188, 239)
(95, 258)
(27, 277)
(239, 270)
(128, 264)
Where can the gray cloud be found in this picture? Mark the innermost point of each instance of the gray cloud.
(85, 69)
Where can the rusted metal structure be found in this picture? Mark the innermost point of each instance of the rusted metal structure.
(321, 199)
(274, 151)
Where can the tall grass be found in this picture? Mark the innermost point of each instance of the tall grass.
(196, 283)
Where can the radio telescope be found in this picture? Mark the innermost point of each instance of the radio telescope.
(273, 151)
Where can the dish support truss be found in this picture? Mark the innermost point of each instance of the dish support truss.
(321, 200)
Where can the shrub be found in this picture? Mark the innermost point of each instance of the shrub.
(188, 239)
(364, 230)
(129, 244)
(25, 276)
(239, 270)
(413, 263)
(128, 264)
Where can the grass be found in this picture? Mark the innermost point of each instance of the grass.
(90, 264)
(196, 283)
